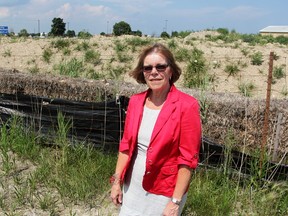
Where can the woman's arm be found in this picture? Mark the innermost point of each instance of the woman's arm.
(116, 191)
(182, 183)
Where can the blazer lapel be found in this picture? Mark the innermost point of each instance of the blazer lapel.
(165, 113)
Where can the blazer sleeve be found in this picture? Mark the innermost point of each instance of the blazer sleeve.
(124, 143)
(190, 134)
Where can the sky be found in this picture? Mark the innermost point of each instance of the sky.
(151, 17)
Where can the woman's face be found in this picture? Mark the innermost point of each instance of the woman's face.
(157, 72)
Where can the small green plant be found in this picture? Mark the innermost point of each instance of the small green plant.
(172, 44)
(116, 72)
(34, 69)
(66, 51)
(61, 44)
(136, 42)
(92, 57)
(231, 69)
(47, 54)
(245, 51)
(182, 54)
(284, 91)
(7, 53)
(275, 56)
(123, 57)
(278, 72)
(196, 73)
(257, 58)
(246, 89)
(72, 68)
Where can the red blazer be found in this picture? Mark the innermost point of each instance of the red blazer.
(175, 139)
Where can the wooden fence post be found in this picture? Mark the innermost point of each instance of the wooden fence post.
(267, 109)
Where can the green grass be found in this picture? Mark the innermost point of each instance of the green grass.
(75, 172)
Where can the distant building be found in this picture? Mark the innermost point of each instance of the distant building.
(275, 31)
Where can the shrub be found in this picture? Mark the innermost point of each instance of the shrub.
(61, 44)
(7, 53)
(84, 35)
(278, 72)
(257, 58)
(92, 56)
(47, 53)
(246, 89)
(196, 72)
(71, 68)
(172, 44)
(182, 54)
(231, 69)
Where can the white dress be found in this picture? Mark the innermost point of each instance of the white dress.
(137, 201)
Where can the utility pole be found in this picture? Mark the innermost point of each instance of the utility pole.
(39, 27)
(166, 25)
(107, 28)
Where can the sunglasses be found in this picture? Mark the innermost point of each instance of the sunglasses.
(159, 68)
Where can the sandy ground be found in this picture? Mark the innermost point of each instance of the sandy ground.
(26, 55)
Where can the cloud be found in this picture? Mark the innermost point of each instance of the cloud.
(4, 12)
(64, 11)
(99, 10)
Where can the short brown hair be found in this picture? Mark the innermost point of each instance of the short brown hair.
(137, 73)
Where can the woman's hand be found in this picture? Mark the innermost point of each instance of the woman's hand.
(116, 194)
(171, 209)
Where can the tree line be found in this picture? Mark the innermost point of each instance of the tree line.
(58, 29)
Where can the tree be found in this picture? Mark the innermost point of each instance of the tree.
(58, 27)
(70, 33)
(164, 34)
(23, 33)
(121, 28)
(84, 34)
(174, 34)
(137, 33)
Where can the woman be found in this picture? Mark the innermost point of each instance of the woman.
(161, 141)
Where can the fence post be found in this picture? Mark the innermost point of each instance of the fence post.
(267, 109)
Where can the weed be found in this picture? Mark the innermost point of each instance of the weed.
(182, 54)
(231, 69)
(196, 72)
(172, 44)
(60, 44)
(66, 51)
(47, 54)
(278, 72)
(7, 53)
(119, 47)
(93, 57)
(245, 51)
(34, 69)
(72, 68)
(246, 89)
(257, 58)
(284, 91)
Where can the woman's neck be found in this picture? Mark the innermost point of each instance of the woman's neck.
(156, 99)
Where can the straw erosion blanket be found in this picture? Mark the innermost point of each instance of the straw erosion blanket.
(225, 116)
